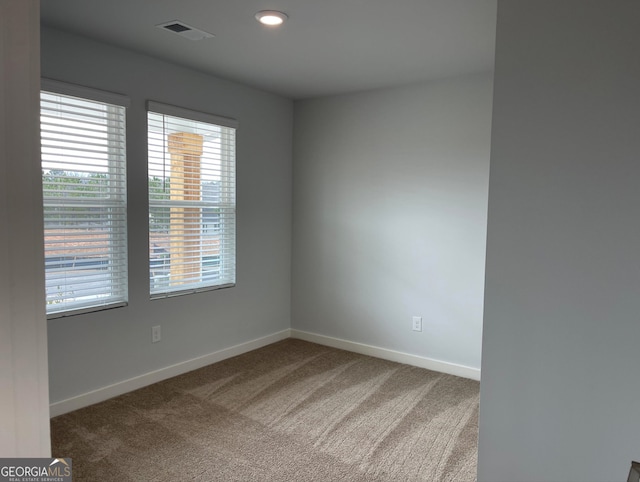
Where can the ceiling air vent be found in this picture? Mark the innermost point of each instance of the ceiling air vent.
(185, 30)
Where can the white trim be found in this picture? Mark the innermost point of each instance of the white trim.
(125, 386)
(74, 90)
(170, 294)
(89, 309)
(392, 355)
(166, 109)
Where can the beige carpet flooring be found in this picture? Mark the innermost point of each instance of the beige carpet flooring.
(291, 411)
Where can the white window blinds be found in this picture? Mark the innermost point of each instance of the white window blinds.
(192, 195)
(85, 207)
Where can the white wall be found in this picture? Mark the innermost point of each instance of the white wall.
(92, 351)
(24, 400)
(560, 395)
(389, 220)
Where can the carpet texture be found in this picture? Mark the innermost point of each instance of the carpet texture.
(291, 411)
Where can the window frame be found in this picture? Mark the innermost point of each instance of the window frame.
(109, 99)
(228, 235)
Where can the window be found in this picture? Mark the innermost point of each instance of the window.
(84, 193)
(192, 211)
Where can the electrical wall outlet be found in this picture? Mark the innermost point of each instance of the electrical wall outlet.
(417, 323)
(156, 334)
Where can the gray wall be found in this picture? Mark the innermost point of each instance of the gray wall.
(95, 350)
(24, 400)
(389, 220)
(560, 396)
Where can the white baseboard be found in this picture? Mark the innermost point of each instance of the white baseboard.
(125, 386)
(392, 355)
(110, 391)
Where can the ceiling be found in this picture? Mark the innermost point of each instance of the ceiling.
(326, 47)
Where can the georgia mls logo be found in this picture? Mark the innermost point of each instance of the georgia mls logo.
(35, 470)
(64, 466)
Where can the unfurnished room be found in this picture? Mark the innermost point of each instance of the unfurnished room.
(320, 241)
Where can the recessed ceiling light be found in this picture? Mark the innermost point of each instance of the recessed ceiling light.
(272, 18)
